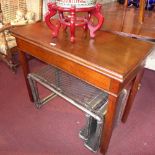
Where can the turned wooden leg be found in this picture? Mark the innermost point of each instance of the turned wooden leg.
(96, 13)
(54, 27)
(126, 3)
(72, 24)
(141, 11)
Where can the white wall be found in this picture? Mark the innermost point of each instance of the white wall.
(150, 61)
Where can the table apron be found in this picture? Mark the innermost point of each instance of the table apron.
(88, 75)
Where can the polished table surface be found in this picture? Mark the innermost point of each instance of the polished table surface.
(109, 62)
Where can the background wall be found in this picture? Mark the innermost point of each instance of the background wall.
(150, 62)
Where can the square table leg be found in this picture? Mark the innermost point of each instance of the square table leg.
(109, 123)
(25, 67)
(111, 112)
(134, 88)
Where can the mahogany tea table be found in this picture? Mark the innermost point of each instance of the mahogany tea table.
(109, 62)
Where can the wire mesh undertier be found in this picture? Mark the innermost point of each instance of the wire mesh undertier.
(71, 88)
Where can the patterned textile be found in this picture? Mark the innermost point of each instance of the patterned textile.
(11, 42)
(150, 4)
(133, 3)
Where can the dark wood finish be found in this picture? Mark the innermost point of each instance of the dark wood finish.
(109, 123)
(25, 67)
(134, 89)
(109, 62)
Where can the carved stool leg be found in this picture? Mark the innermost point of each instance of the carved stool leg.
(72, 24)
(99, 16)
(51, 13)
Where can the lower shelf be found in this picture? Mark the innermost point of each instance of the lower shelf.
(82, 95)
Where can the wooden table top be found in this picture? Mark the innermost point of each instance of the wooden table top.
(108, 53)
